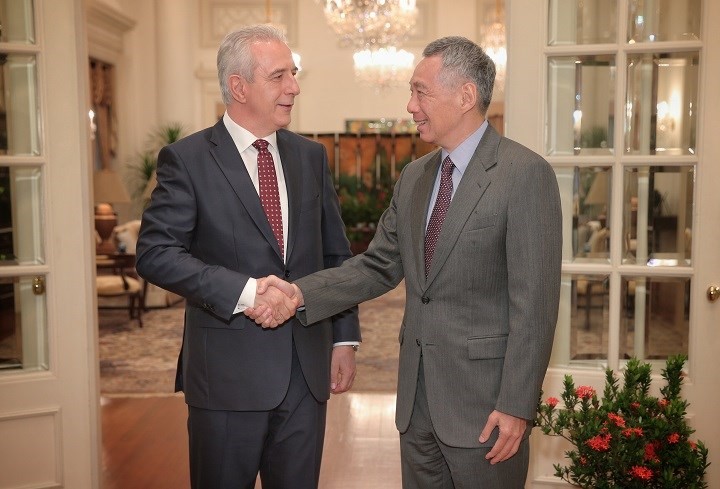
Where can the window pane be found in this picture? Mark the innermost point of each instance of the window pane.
(661, 103)
(655, 323)
(663, 20)
(20, 216)
(16, 21)
(23, 333)
(581, 335)
(657, 215)
(587, 190)
(582, 22)
(19, 134)
(580, 105)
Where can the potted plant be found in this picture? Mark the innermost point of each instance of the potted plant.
(142, 170)
(628, 438)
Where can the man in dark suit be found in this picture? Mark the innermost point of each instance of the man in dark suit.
(242, 199)
(474, 228)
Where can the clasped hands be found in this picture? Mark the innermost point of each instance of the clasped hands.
(275, 302)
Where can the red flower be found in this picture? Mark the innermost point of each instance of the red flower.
(641, 472)
(650, 453)
(692, 444)
(635, 405)
(583, 461)
(663, 403)
(618, 420)
(600, 443)
(673, 438)
(552, 402)
(628, 432)
(584, 392)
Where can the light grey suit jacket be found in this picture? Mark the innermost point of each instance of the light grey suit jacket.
(484, 318)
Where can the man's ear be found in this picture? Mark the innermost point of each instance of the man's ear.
(238, 88)
(469, 96)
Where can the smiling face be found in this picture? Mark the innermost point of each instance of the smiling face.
(437, 109)
(266, 102)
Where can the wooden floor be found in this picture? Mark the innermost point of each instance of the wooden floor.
(145, 443)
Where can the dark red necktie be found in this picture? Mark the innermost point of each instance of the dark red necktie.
(269, 194)
(442, 203)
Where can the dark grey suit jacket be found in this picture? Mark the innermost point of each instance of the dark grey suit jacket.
(484, 318)
(205, 233)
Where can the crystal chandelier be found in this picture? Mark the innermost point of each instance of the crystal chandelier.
(375, 28)
(366, 23)
(383, 67)
(494, 43)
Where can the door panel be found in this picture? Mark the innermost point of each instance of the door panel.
(49, 434)
(623, 109)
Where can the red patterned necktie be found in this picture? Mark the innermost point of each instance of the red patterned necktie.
(442, 203)
(269, 194)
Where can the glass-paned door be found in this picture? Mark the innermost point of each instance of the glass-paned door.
(48, 394)
(624, 113)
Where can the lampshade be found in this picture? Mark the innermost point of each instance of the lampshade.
(108, 187)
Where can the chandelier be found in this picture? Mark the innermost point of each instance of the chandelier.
(383, 67)
(366, 23)
(494, 43)
(375, 28)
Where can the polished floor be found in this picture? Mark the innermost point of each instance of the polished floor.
(145, 443)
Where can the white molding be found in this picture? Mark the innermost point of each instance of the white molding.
(106, 27)
(218, 17)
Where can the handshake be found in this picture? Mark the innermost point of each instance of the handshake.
(275, 302)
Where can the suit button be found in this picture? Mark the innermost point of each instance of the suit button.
(287, 273)
(425, 300)
(418, 342)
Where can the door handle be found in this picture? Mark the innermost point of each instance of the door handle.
(713, 293)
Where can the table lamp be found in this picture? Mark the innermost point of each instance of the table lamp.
(108, 189)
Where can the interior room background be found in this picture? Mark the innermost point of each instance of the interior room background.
(163, 57)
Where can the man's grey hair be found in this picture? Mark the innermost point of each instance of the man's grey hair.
(235, 56)
(462, 61)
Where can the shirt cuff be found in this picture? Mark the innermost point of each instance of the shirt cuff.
(346, 343)
(247, 297)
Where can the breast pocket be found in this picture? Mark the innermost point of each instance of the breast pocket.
(478, 222)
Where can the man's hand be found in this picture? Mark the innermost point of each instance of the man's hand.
(342, 369)
(272, 308)
(290, 290)
(511, 430)
(275, 302)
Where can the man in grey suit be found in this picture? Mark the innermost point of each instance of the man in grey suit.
(242, 199)
(474, 228)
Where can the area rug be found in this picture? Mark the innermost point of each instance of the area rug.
(141, 361)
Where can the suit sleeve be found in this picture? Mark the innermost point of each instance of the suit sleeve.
(166, 236)
(533, 247)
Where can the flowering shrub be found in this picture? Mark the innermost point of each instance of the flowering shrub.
(628, 439)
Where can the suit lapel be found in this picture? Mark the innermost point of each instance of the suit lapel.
(231, 164)
(473, 185)
(420, 201)
(292, 169)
